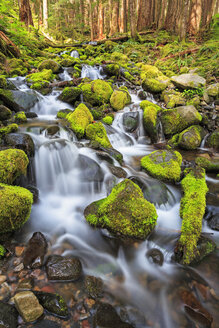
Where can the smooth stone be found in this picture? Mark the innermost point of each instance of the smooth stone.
(26, 99)
(90, 170)
(106, 316)
(155, 255)
(21, 141)
(188, 81)
(213, 222)
(8, 316)
(35, 251)
(28, 306)
(5, 113)
(47, 324)
(31, 115)
(53, 303)
(117, 171)
(61, 268)
(34, 191)
(130, 121)
(93, 286)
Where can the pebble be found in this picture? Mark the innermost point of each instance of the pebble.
(2, 279)
(28, 306)
(19, 267)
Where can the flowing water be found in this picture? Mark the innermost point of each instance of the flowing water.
(70, 176)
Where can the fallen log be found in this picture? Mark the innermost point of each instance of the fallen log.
(61, 84)
(7, 47)
(181, 53)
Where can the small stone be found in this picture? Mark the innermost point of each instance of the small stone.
(28, 306)
(36, 250)
(26, 284)
(155, 255)
(93, 286)
(53, 303)
(61, 268)
(2, 279)
(19, 267)
(8, 316)
(19, 250)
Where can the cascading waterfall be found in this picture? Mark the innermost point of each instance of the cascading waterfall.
(92, 72)
(74, 54)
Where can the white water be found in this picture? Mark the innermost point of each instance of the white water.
(92, 72)
(75, 54)
(67, 186)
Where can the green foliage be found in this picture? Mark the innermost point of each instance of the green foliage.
(190, 93)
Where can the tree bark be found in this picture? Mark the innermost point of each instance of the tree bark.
(25, 12)
(114, 26)
(45, 14)
(133, 18)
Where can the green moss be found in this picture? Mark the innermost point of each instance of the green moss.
(214, 140)
(173, 142)
(173, 98)
(68, 62)
(2, 251)
(49, 64)
(108, 120)
(20, 117)
(150, 118)
(190, 138)
(39, 85)
(208, 165)
(63, 113)
(97, 132)
(120, 98)
(13, 163)
(79, 120)
(70, 94)
(119, 57)
(149, 71)
(129, 77)
(109, 45)
(124, 212)
(154, 85)
(97, 92)
(163, 165)
(18, 67)
(3, 82)
(45, 75)
(15, 207)
(192, 209)
(8, 129)
(113, 69)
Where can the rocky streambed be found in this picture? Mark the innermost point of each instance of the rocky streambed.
(108, 243)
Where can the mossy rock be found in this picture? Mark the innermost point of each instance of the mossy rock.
(79, 120)
(149, 71)
(97, 92)
(188, 81)
(154, 85)
(112, 69)
(192, 210)
(213, 140)
(109, 45)
(5, 113)
(13, 163)
(163, 165)
(191, 138)
(18, 67)
(108, 120)
(8, 129)
(120, 98)
(213, 90)
(69, 62)
(173, 98)
(208, 164)
(6, 96)
(124, 212)
(150, 118)
(62, 113)
(49, 64)
(97, 132)
(177, 119)
(70, 95)
(3, 82)
(20, 118)
(15, 207)
(40, 85)
(45, 75)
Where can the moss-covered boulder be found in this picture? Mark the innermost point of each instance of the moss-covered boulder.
(40, 85)
(50, 64)
(210, 165)
(213, 90)
(112, 69)
(188, 81)
(177, 119)
(79, 120)
(3, 82)
(97, 132)
(20, 118)
(191, 138)
(45, 75)
(192, 210)
(108, 120)
(124, 212)
(164, 165)
(155, 85)
(70, 95)
(213, 140)
(15, 207)
(153, 80)
(150, 118)
(120, 98)
(13, 163)
(5, 113)
(8, 129)
(97, 92)
(173, 98)
(69, 61)
(62, 113)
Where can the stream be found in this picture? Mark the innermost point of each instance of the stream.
(69, 176)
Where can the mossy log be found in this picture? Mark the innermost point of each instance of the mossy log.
(7, 47)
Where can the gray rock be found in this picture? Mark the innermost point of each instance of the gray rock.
(61, 268)
(20, 141)
(130, 121)
(106, 316)
(188, 81)
(155, 255)
(25, 100)
(5, 113)
(213, 222)
(28, 306)
(8, 316)
(213, 90)
(90, 170)
(117, 171)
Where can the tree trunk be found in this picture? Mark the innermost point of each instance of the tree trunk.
(114, 26)
(123, 17)
(133, 18)
(91, 21)
(45, 14)
(101, 20)
(195, 16)
(144, 14)
(25, 12)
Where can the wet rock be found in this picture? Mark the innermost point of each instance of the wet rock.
(106, 316)
(8, 316)
(53, 303)
(120, 98)
(213, 140)
(47, 324)
(117, 171)
(150, 119)
(62, 113)
(90, 170)
(104, 156)
(130, 121)
(26, 100)
(124, 212)
(5, 113)
(20, 141)
(35, 251)
(205, 246)
(93, 286)
(191, 138)
(155, 255)
(31, 115)
(28, 306)
(25, 284)
(97, 133)
(213, 90)
(34, 191)
(70, 95)
(52, 130)
(213, 222)
(188, 81)
(142, 94)
(61, 268)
